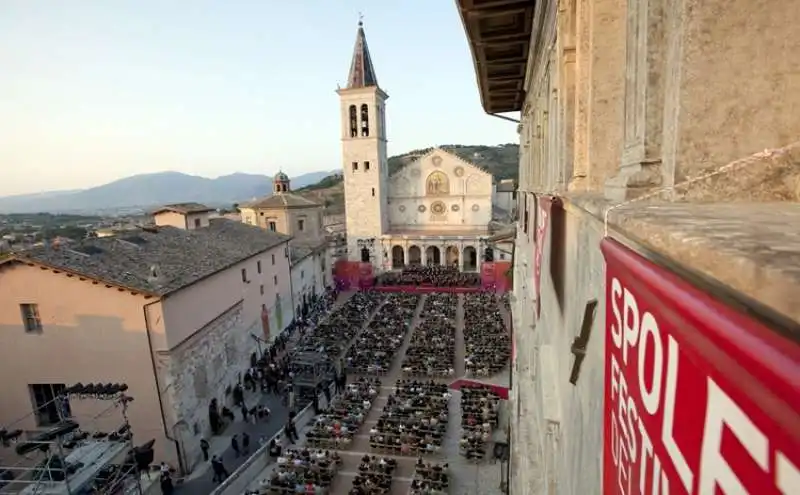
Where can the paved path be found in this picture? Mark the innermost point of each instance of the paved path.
(352, 457)
(199, 482)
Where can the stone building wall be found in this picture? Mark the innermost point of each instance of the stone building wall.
(623, 100)
(202, 368)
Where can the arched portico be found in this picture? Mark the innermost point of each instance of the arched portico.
(470, 259)
(451, 256)
(398, 257)
(414, 256)
(433, 256)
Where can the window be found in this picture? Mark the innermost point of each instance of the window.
(258, 266)
(197, 223)
(355, 166)
(262, 213)
(30, 317)
(366, 166)
(244, 274)
(365, 120)
(275, 279)
(49, 406)
(353, 121)
(273, 259)
(373, 192)
(273, 227)
(261, 289)
(301, 225)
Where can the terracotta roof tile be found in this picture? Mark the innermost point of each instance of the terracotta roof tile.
(179, 257)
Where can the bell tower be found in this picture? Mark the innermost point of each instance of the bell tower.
(365, 167)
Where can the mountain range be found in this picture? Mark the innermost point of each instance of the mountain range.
(148, 190)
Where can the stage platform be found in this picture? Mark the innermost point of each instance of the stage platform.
(424, 289)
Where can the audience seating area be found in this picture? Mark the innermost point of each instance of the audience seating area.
(374, 350)
(486, 340)
(433, 344)
(430, 478)
(414, 419)
(335, 427)
(334, 334)
(303, 471)
(374, 476)
(479, 412)
(430, 276)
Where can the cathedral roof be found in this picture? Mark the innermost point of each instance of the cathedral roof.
(362, 72)
(281, 176)
(281, 201)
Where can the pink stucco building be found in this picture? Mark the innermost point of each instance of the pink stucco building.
(170, 310)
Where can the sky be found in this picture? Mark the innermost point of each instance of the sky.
(96, 90)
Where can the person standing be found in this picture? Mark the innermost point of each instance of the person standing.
(204, 446)
(220, 473)
(235, 445)
(291, 430)
(245, 443)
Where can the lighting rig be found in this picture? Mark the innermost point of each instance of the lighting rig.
(65, 459)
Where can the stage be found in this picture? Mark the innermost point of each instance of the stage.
(425, 289)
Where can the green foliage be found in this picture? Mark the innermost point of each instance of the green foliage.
(70, 232)
(47, 219)
(325, 183)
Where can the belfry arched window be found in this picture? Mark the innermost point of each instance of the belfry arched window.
(364, 120)
(353, 121)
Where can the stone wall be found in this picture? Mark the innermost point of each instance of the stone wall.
(557, 427)
(202, 368)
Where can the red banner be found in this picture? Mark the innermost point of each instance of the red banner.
(699, 399)
(265, 323)
(543, 206)
(488, 278)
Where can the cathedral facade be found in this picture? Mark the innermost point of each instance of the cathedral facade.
(434, 211)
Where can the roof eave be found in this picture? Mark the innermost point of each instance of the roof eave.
(499, 33)
(36, 262)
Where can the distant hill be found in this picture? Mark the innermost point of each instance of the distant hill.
(501, 161)
(148, 190)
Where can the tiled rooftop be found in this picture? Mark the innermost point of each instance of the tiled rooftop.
(178, 257)
(184, 208)
(281, 200)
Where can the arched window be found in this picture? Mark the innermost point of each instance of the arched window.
(364, 120)
(364, 255)
(353, 121)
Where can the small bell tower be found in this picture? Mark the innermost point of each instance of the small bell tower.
(364, 156)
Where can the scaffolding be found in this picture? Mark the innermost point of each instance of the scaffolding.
(311, 369)
(67, 458)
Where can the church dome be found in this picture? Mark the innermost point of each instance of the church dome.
(281, 176)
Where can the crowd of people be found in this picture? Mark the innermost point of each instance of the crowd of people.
(303, 471)
(486, 340)
(336, 425)
(374, 476)
(374, 350)
(433, 345)
(479, 413)
(333, 334)
(431, 276)
(430, 478)
(414, 419)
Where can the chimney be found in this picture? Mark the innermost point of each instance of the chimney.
(154, 277)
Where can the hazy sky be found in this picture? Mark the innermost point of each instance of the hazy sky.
(95, 90)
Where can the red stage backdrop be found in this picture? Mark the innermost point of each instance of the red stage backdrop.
(352, 275)
(699, 399)
(494, 276)
(487, 275)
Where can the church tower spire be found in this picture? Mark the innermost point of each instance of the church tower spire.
(362, 72)
(364, 158)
